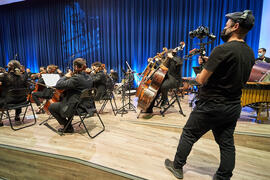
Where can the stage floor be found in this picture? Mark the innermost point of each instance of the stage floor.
(140, 146)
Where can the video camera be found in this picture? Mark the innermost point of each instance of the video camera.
(201, 32)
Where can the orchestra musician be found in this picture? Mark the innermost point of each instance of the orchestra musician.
(45, 92)
(88, 70)
(29, 73)
(172, 79)
(99, 80)
(114, 75)
(72, 84)
(223, 76)
(24, 73)
(2, 70)
(11, 80)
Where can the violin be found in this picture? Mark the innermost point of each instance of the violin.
(38, 75)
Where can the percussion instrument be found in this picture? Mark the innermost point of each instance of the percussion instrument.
(255, 93)
(258, 94)
(260, 72)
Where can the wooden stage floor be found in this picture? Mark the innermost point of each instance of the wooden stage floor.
(136, 148)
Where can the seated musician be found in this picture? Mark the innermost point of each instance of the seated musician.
(23, 71)
(43, 91)
(114, 75)
(129, 79)
(261, 55)
(172, 79)
(73, 84)
(99, 80)
(29, 73)
(11, 80)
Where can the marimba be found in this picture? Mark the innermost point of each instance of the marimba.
(254, 93)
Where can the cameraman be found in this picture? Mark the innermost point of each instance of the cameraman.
(218, 108)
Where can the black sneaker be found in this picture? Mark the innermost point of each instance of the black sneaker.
(17, 120)
(40, 111)
(216, 177)
(163, 103)
(150, 111)
(68, 130)
(176, 172)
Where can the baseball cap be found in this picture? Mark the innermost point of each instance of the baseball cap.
(245, 18)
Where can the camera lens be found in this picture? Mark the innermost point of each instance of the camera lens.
(191, 34)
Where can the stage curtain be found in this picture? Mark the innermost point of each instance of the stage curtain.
(114, 32)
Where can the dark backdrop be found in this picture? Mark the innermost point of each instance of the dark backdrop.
(45, 32)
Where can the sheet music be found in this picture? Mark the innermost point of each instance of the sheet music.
(50, 79)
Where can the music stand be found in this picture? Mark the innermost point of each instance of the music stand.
(50, 80)
(128, 106)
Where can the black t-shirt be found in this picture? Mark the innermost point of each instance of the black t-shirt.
(231, 64)
(265, 59)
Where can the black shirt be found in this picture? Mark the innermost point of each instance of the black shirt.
(12, 81)
(99, 79)
(73, 87)
(231, 64)
(175, 68)
(265, 59)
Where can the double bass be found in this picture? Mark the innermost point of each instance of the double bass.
(149, 68)
(152, 81)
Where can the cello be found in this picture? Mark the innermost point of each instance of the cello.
(55, 98)
(38, 86)
(152, 82)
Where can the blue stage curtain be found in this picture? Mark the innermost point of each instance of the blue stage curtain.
(112, 31)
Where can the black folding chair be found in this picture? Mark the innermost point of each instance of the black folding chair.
(170, 103)
(109, 97)
(18, 93)
(86, 95)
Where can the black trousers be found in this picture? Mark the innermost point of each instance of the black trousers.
(164, 89)
(5, 100)
(46, 94)
(221, 119)
(166, 86)
(101, 91)
(55, 111)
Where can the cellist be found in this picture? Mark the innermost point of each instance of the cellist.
(72, 83)
(172, 79)
(46, 92)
